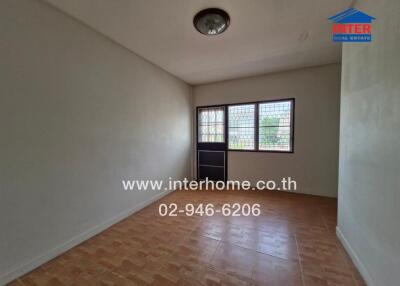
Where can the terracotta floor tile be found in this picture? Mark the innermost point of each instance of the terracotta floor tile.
(210, 228)
(234, 259)
(278, 245)
(214, 278)
(293, 241)
(16, 283)
(273, 243)
(112, 279)
(241, 236)
(274, 224)
(199, 248)
(272, 271)
(39, 277)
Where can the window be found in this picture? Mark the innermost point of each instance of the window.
(211, 125)
(275, 126)
(261, 126)
(241, 129)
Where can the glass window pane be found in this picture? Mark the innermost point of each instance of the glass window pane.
(241, 126)
(275, 126)
(211, 124)
(274, 138)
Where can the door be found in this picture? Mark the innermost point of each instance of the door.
(211, 143)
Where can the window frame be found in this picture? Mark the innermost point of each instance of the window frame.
(256, 125)
(197, 123)
(292, 110)
(198, 109)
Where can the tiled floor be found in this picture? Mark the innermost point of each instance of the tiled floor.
(292, 243)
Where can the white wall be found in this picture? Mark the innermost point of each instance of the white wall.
(369, 176)
(314, 162)
(78, 114)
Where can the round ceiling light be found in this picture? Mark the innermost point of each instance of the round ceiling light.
(211, 21)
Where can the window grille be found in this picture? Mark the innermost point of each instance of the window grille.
(241, 129)
(275, 125)
(211, 125)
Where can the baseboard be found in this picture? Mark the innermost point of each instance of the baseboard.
(354, 257)
(36, 262)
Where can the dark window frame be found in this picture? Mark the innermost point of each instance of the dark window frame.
(256, 125)
(224, 123)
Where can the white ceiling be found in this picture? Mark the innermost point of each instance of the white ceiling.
(264, 35)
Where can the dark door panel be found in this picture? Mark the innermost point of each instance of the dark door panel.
(214, 158)
(212, 173)
(211, 143)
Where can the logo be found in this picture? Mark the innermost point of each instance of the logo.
(351, 25)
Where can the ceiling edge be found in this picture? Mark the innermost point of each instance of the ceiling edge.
(79, 21)
(269, 73)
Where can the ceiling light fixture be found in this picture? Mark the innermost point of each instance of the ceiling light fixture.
(211, 21)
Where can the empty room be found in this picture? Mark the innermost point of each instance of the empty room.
(199, 142)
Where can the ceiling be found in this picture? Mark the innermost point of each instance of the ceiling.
(264, 35)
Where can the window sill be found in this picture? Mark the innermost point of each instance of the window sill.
(260, 151)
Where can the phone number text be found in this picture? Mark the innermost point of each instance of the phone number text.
(235, 209)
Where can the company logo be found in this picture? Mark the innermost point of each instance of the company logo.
(351, 25)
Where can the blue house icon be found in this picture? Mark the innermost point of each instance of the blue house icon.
(351, 15)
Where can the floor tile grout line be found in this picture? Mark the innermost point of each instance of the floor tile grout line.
(221, 271)
(242, 247)
(112, 270)
(248, 248)
(212, 267)
(300, 261)
(188, 232)
(215, 251)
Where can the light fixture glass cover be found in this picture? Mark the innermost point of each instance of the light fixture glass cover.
(211, 21)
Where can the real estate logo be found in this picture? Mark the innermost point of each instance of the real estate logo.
(351, 25)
